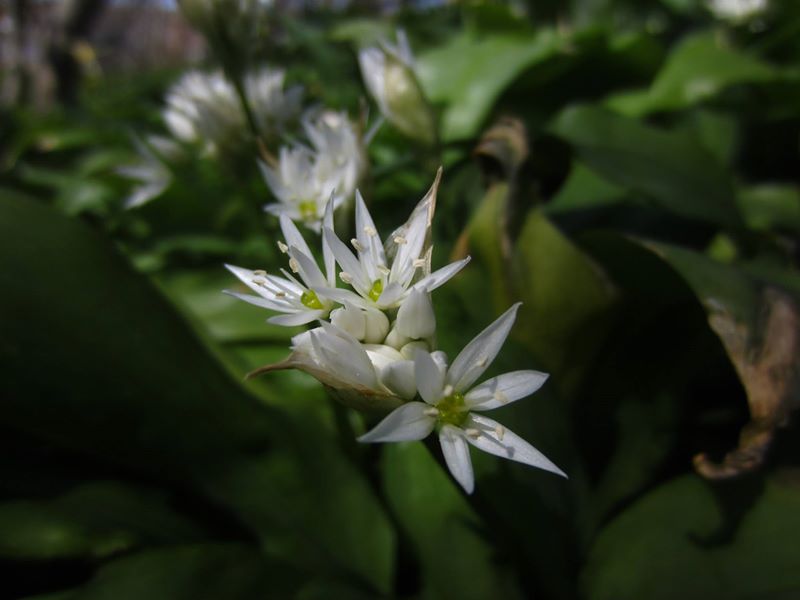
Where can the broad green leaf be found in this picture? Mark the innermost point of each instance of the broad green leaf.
(190, 572)
(675, 172)
(700, 67)
(566, 298)
(468, 73)
(95, 360)
(771, 207)
(584, 190)
(677, 542)
(91, 521)
(456, 559)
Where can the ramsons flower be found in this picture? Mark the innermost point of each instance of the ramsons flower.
(151, 170)
(204, 108)
(383, 276)
(388, 72)
(454, 408)
(290, 295)
(305, 178)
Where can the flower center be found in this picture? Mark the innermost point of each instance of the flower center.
(308, 209)
(376, 290)
(452, 409)
(310, 299)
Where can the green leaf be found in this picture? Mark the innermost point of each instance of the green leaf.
(468, 73)
(91, 521)
(674, 171)
(97, 361)
(771, 207)
(456, 559)
(671, 544)
(700, 67)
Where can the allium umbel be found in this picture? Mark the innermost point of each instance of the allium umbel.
(374, 347)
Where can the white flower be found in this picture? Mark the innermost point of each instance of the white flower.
(333, 355)
(377, 281)
(272, 106)
(151, 170)
(450, 406)
(205, 108)
(340, 155)
(736, 10)
(388, 72)
(295, 298)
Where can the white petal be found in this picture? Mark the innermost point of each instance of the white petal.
(262, 302)
(408, 422)
(342, 295)
(377, 326)
(309, 270)
(496, 439)
(408, 251)
(456, 455)
(390, 295)
(440, 276)
(292, 235)
(473, 360)
(372, 254)
(415, 318)
(347, 261)
(398, 376)
(504, 389)
(327, 254)
(299, 318)
(430, 377)
(344, 356)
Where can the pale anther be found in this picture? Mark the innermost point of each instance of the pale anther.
(294, 265)
(283, 247)
(280, 294)
(346, 277)
(473, 433)
(260, 273)
(370, 231)
(500, 431)
(448, 390)
(430, 412)
(500, 397)
(399, 239)
(418, 263)
(356, 244)
(482, 361)
(258, 280)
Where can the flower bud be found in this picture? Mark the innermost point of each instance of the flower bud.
(415, 318)
(376, 326)
(395, 339)
(351, 319)
(410, 349)
(389, 76)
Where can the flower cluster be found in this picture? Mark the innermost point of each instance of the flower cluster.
(375, 346)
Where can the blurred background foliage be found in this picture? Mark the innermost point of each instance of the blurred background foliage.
(627, 169)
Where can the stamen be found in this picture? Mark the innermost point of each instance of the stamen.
(260, 273)
(282, 247)
(258, 280)
(357, 245)
(294, 265)
(418, 263)
(430, 412)
(399, 239)
(501, 397)
(500, 431)
(383, 269)
(370, 231)
(473, 433)
(448, 390)
(346, 277)
(280, 294)
(482, 361)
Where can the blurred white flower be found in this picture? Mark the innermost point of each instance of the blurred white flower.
(151, 170)
(289, 295)
(736, 10)
(204, 108)
(388, 73)
(305, 178)
(449, 404)
(384, 283)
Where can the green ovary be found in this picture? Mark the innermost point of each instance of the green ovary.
(452, 410)
(308, 210)
(310, 299)
(376, 290)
